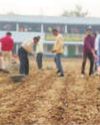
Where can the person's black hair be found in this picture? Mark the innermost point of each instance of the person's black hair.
(9, 34)
(36, 38)
(54, 30)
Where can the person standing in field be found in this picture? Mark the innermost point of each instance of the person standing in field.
(97, 48)
(1, 61)
(7, 45)
(88, 51)
(39, 51)
(58, 49)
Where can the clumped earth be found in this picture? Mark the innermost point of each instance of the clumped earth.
(45, 99)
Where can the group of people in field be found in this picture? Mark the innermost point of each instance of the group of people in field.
(27, 48)
(30, 47)
(91, 51)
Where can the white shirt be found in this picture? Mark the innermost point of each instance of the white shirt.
(97, 42)
(28, 46)
(39, 47)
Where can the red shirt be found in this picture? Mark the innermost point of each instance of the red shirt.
(7, 43)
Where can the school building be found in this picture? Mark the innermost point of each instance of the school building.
(26, 27)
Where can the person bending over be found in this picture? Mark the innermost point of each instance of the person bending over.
(25, 49)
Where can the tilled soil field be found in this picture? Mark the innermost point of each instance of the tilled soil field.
(45, 99)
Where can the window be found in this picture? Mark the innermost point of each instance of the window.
(8, 26)
(29, 27)
(96, 28)
(48, 27)
(80, 49)
(48, 47)
(76, 29)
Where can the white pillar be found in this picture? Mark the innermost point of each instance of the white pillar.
(42, 28)
(66, 50)
(66, 31)
(17, 27)
(77, 50)
(17, 47)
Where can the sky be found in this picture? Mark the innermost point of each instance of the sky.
(48, 7)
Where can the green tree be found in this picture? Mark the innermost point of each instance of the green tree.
(77, 12)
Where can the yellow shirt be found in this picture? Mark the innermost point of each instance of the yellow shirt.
(28, 46)
(59, 44)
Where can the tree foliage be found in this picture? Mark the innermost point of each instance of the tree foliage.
(77, 12)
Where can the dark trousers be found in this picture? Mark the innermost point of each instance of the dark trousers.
(91, 59)
(24, 62)
(39, 60)
(58, 63)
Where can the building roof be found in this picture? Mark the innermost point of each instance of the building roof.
(48, 19)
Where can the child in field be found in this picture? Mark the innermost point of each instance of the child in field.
(39, 51)
(58, 49)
